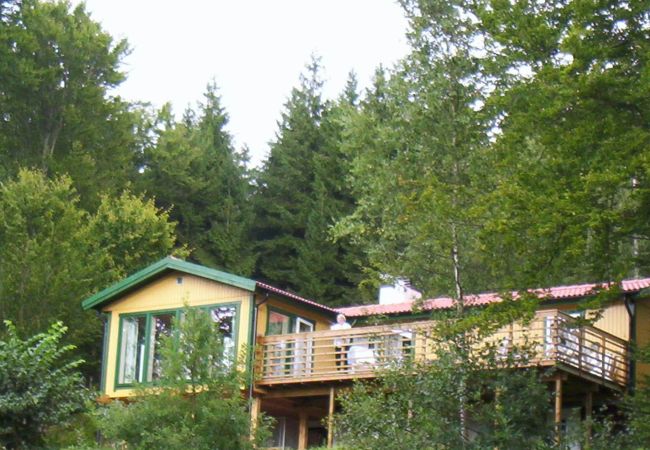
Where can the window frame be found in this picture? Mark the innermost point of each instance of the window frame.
(176, 313)
(293, 318)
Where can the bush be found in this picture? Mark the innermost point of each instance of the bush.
(38, 387)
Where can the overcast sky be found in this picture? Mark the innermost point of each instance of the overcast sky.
(255, 50)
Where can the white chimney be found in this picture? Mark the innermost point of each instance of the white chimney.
(399, 292)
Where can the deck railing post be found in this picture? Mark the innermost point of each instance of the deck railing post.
(555, 337)
(256, 406)
(603, 352)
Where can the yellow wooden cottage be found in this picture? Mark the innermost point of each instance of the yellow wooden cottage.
(296, 360)
(139, 310)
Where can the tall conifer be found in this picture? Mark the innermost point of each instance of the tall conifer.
(302, 192)
(194, 171)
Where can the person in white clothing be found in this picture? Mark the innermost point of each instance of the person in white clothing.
(341, 346)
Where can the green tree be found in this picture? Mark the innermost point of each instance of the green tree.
(571, 108)
(302, 192)
(131, 232)
(54, 253)
(197, 402)
(57, 67)
(637, 410)
(39, 387)
(194, 172)
(418, 169)
(421, 173)
(466, 397)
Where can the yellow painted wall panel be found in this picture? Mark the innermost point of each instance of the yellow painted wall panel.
(165, 294)
(615, 320)
(642, 335)
(322, 321)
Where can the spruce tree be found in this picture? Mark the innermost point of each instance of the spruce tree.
(194, 171)
(302, 192)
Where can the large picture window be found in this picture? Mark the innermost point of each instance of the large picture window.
(141, 335)
(224, 318)
(132, 352)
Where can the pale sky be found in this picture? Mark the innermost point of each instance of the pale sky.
(255, 50)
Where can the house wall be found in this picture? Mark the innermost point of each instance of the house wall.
(615, 320)
(165, 294)
(321, 321)
(642, 335)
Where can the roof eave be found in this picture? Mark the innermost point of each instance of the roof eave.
(170, 263)
(294, 297)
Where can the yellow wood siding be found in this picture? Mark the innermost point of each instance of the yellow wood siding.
(642, 335)
(322, 321)
(615, 320)
(165, 294)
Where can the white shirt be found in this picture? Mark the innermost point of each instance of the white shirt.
(338, 342)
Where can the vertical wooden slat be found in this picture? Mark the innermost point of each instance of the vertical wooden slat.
(603, 347)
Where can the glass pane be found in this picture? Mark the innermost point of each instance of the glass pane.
(304, 326)
(133, 349)
(278, 323)
(161, 325)
(225, 318)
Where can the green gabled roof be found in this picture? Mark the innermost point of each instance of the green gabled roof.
(170, 263)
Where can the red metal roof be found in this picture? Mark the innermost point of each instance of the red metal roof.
(554, 293)
(293, 296)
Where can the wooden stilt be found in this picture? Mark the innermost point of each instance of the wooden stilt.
(256, 406)
(558, 409)
(589, 406)
(302, 430)
(330, 419)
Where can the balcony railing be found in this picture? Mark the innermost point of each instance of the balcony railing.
(552, 339)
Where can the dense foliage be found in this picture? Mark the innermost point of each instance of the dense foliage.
(39, 386)
(301, 194)
(56, 69)
(194, 172)
(54, 253)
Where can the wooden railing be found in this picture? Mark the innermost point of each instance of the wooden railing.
(552, 338)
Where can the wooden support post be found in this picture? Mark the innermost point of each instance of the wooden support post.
(558, 409)
(302, 430)
(589, 406)
(256, 406)
(330, 419)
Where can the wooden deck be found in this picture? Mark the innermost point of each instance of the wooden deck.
(325, 356)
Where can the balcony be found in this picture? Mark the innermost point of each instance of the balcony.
(553, 337)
